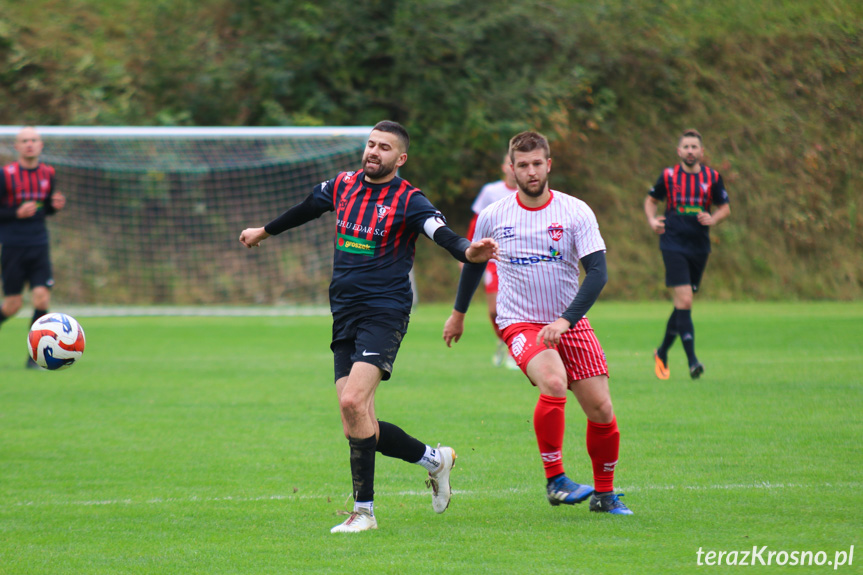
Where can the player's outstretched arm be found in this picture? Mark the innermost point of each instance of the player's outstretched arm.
(481, 251)
(453, 328)
(471, 276)
(252, 237)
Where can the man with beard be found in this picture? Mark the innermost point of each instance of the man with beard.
(543, 234)
(689, 189)
(379, 217)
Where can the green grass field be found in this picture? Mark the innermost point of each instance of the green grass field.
(213, 446)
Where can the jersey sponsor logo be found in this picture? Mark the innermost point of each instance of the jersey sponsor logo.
(553, 256)
(352, 227)
(507, 232)
(382, 211)
(354, 245)
(689, 210)
(555, 231)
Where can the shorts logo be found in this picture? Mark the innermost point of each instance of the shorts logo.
(354, 245)
(555, 231)
(382, 211)
(518, 344)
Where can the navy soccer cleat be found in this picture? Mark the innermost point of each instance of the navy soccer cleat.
(565, 490)
(609, 503)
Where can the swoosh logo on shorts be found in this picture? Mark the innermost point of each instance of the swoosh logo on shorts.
(366, 353)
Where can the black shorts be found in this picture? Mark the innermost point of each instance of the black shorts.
(25, 264)
(684, 269)
(370, 335)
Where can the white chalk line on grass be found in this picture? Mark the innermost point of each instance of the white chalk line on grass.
(414, 493)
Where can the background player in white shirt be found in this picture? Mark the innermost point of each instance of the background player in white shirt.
(489, 194)
(542, 235)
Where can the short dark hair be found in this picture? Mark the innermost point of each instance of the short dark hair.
(528, 142)
(395, 128)
(691, 133)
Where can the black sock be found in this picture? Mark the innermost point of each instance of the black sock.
(394, 442)
(687, 334)
(553, 478)
(363, 467)
(670, 336)
(37, 313)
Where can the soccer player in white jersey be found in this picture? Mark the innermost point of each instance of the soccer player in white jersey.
(543, 234)
(489, 194)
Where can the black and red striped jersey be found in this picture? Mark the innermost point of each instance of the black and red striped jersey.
(685, 196)
(376, 229)
(19, 185)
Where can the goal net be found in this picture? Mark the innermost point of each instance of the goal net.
(153, 215)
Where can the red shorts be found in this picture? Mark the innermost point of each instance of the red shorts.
(491, 277)
(578, 348)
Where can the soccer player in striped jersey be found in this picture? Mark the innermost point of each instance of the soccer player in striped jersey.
(489, 194)
(543, 234)
(690, 191)
(379, 217)
(27, 197)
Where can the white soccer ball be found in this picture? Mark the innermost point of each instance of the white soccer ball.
(56, 341)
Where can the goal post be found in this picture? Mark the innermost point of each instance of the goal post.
(153, 215)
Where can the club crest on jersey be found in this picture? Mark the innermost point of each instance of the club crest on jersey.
(44, 184)
(555, 231)
(705, 187)
(348, 177)
(382, 211)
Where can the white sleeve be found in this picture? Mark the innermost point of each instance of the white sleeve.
(587, 237)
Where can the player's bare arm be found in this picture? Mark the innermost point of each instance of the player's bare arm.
(549, 336)
(453, 328)
(252, 237)
(482, 251)
(58, 201)
(657, 224)
(707, 219)
(26, 210)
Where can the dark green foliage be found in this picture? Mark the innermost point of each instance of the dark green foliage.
(774, 87)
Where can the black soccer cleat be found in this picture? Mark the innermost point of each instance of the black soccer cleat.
(695, 370)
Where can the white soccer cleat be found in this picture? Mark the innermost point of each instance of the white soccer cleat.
(358, 521)
(439, 480)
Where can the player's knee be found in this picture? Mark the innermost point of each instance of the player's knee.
(351, 405)
(555, 385)
(602, 411)
(41, 298)
(11, 305)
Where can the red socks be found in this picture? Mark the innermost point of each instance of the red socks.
(603, 445)
(603, 442)
(549, 422)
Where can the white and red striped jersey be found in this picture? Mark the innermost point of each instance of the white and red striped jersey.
(489, 194)
(539, 253)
